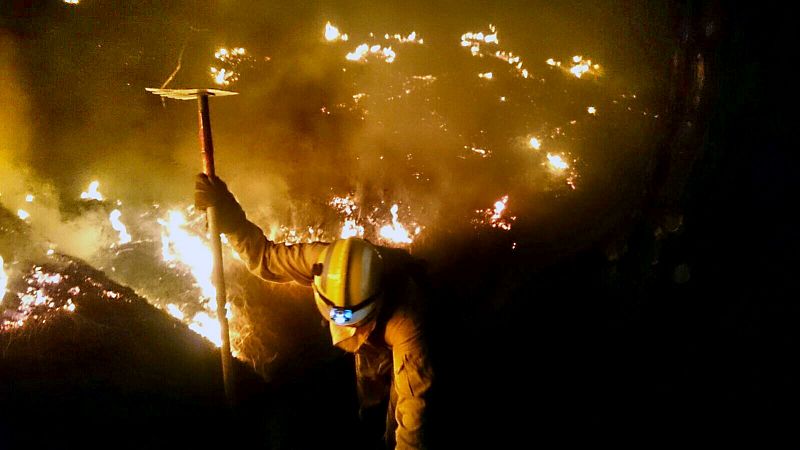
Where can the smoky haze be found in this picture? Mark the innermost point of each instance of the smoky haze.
(296, 136)
(424, 132)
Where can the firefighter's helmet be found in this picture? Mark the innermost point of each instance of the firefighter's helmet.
(347, 282)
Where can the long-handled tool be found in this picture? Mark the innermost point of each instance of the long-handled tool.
(207, 149)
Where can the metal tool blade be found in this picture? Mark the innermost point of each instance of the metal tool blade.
(189, 94)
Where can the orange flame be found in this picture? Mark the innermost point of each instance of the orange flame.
(556, 162)
(395, 232)
(3, 281)
(92, 193)
(117, 225)
(178, 245)
(496, 217)
(332, 33)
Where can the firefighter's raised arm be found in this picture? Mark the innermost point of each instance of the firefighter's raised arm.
(268, 260)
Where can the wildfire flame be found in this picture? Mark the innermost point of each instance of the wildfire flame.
(351, 229)
(358, 54)
(364, 50)
(92, 193)
(535, 144)
(495, 217)
(347, 206)
(3, 280)
(207, 326)
(476, 41)
(124, 237)
(579, 67)
(332, 33)
(22, 214)
(29, 198)
(396, 232)
(180, 246)
(556, 162)
(175, 311)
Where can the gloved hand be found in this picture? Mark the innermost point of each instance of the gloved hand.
(213, 192)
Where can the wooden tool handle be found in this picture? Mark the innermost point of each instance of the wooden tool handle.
(207, 149)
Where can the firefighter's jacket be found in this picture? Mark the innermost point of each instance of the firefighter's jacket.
(388, 349)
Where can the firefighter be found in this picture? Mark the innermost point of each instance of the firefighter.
(371, 296)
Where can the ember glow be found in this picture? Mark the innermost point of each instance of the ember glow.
(480, 151)
(364, 51)
(29, 198)
(396, 232)
(496, 217)
(36, 300)
(124, 237)
(222, 77)
(477, 41)
(348, 208)
(92, 193)
(556, 162)
(591, 110)
(412, 38)
(578, 68)
(229, 61)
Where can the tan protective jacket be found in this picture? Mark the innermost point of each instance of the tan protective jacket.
(394, 335)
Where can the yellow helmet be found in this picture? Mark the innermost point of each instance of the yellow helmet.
(347, 278)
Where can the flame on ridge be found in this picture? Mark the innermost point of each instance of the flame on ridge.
(92, 193)
(124, 237)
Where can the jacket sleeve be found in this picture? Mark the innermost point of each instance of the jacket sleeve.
(413, 374)
(413, 379)
(279, 263)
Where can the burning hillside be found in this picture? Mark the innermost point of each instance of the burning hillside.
(116, 359)
(122, 364)
(545, 159)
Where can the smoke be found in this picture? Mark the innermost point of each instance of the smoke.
(309, 124)
(424, 132)
(79, 236)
